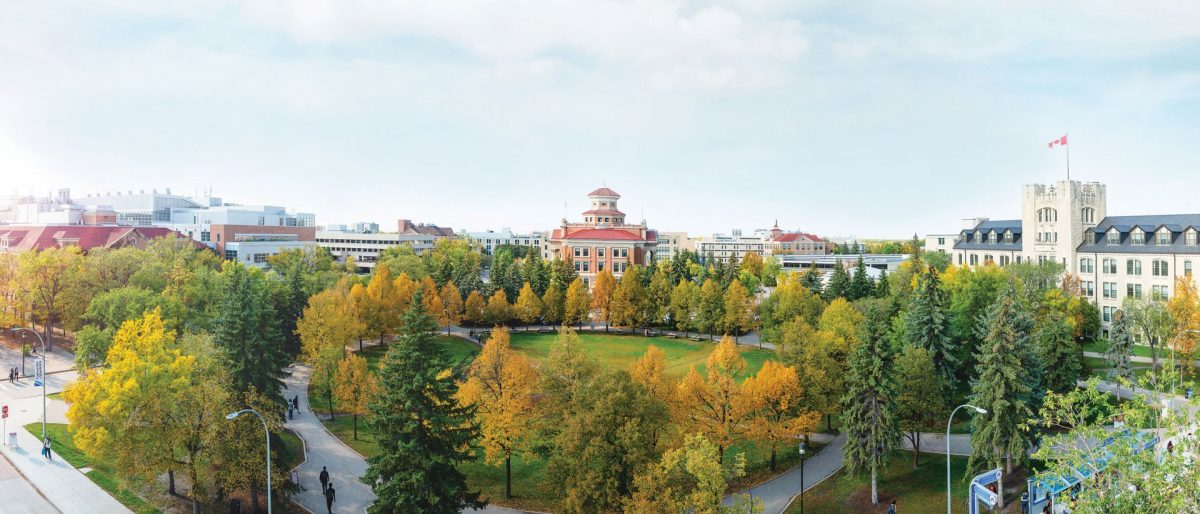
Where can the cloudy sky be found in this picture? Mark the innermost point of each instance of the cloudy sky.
(864, 118)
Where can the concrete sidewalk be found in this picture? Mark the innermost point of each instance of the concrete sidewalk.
(19, 496)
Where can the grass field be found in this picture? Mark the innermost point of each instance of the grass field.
(1138, 350)
(920, 491)
(611, 351)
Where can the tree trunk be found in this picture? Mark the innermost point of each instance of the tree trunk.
(772, 459)
(508, 477)
(171, 482)
(329, 400)
(874, 486)
(916, 449)
(355, 426)
(360, 344)
(720, 454)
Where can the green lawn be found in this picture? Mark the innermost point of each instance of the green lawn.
(916, 491)
(1138, 350)
(612, 351)
(620, 351)
(456, 347)
(102, 475)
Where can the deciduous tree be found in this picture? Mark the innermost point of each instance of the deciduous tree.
(473, 312)
(711, 308)
(738, 310)
(687, 479)
(774, 397)
(43, 278)
(920, 403)
(528, 306)
(714, 405)
(498, 311)
(452, 306)
(355, 387)
(602, 295)
(554, 304)
(578, 304)
(685, 300)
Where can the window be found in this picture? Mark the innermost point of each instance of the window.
(586, 265)
(1087, 288)
(1163, 237)
(1003, 260)
(231, 255)
(577, 252)
(1047, 215)
(1189, 238)
(941, 241)
(262, 220)
(599, 266)
(992, 237)
(1109, 266)
(1133, 290)
(205, 235)
(974, 259)
(1086, 265)
(600, 252)
(1088, 215)
(1110, 289)
(1108, 313)
(260, 258)
(1114, 237)
(1158, 292)
(987, 259)
(1137, 236)
(1187, 267)
(960, 259)
(1133, 267)
(1158, 268)
(585, 252)
(1008, 236)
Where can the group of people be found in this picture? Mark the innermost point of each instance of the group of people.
(13, 374)
(327, 489)
(293, 406)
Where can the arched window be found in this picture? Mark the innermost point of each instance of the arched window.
(1047, 215)
(1088, 215)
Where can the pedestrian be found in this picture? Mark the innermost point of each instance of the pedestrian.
(46, 448)
(324, 476)
(330, 495)
(892, 508)
(290, 410)
(296, 403)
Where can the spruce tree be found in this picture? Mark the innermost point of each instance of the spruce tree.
(1060, 355)
(926, 326)
(812, 278)
(248, 329)
(860, 284)
(869, 406)
(839, 283)
(422, 430)
(881, 286)
(1120, 348)
(1002, 387)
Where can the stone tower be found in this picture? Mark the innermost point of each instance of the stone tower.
(1055, 216)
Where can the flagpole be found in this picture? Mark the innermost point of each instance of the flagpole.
(1068, 145)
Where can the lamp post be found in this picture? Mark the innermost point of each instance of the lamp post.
(266, 431)
(803, 449)
(43, 341)
(948, 422)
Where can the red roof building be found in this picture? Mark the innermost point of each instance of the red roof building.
(603, 241)
(18, 238)
(788, 243)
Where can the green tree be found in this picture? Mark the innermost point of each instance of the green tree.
(812, 279)
(578, 304)
(839, 284)
(685, 301)
(738, 310)
(248, 331)
(626, 307)
(1002, 387)
(422, 431)
(528, 307)
(554, 304)
(711, 308)
(1120, 350)
(919, 404)
(609, 436)
(869, 406)
(860, 284)
(1060, 355)
(658, 298)
(688, 479)
(402, 259)
(926, 326)
(43, 276)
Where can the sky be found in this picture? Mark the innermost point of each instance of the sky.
(866, 119)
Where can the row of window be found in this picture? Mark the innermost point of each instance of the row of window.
(1158, 267)
(585, 251)
(1109, 290)
(1137, 236)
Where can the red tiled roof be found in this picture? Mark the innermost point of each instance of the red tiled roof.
(787, 238)
(607, 212)
(86, 237)
(612, 234)
(604, 191)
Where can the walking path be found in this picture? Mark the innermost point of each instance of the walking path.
(19, 496)
(321, 448)
(66, 488)
(777, 493)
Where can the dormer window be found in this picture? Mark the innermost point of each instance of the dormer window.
(1137, 236)
(1163, 237)
(1189, 237)
(1008, 236)
(979, 236)
(992, 236)
(1114, 237)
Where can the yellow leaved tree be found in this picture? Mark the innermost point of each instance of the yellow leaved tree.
(774, 397)
(326, 326)
(452, 306)
(355, 386)
(714, 404)
(500, 383)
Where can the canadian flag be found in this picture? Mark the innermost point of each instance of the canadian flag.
(1062, 141)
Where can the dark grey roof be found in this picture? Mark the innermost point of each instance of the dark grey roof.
(1176, 223)
(987, 227)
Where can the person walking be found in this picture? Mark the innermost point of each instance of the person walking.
(296, 403)
(324, 476)
(330, 496)
(46, 448)
(892, 508)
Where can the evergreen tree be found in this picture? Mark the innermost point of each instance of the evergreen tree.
(812, 278)
(926, 326)
(1120, 348)
(505, 274)
(247, 329)
(422, 431)
(1003, 386)
(868, 408)
(881, 286)
(533, 271)
(860, 284)
(839, 283)
(1060, 355)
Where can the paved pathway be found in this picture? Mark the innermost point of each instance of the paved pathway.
(777, 493)
(66, 488)
(18, 495)
(323, 449)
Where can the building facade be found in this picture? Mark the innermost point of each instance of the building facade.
(1115, 257)
(941, 242)
(671, 244)
(723, 247)
(364, 248)
(489, 240)
(603, 241)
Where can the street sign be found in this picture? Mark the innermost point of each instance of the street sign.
(38, 373)
(988, 477)
(4, 412)
(984, 495)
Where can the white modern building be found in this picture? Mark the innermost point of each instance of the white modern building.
(489, 240)
(1115, 257)
(940, 242)
(735, 245)
(364, 248)
(671, 244)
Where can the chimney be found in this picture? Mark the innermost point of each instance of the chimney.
(405, 225)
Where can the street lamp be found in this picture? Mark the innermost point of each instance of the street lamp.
(1174, 368)
(19, 330)
(803, 449)
(233, 415)
(948, 422)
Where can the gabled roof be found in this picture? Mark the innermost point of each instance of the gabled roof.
(23, 238)
(1176, 223)
(604, 191)
(793, 236)
(987, 227)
